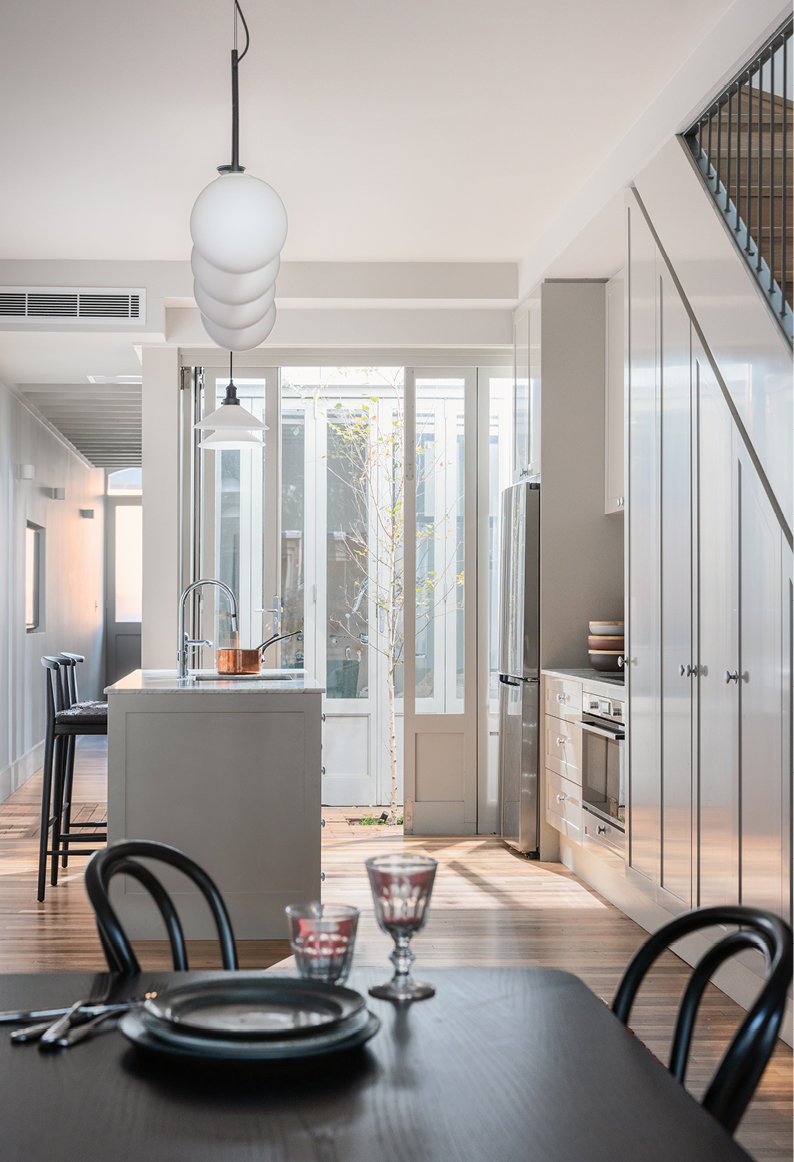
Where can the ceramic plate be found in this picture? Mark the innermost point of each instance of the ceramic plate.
(135, 1028)
(247, 1006)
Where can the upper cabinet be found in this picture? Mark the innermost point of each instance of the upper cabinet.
(614, 479)
(526, 389)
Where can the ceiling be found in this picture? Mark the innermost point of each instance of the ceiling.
(424, 130)
(103, 422)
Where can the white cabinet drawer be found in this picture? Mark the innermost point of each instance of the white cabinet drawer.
(564, 698)
(602, 837)
(564, 806)
(564, 748)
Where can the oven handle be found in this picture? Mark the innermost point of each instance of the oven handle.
(612, 735)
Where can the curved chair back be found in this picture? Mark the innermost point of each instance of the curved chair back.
(56, 695)
(745, 1059)
(117, 859)
(72, 660)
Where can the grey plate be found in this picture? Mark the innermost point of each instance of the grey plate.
(135, 1029)
(253, 1007)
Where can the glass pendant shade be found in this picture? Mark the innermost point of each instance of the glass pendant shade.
(244, 339)
(233, 289)
(238, 223)
(235, 317)
(234, 439)
(231, 418)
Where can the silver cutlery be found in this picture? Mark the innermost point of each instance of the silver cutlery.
(52, 1035)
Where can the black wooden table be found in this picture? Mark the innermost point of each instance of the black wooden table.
(503, 1063)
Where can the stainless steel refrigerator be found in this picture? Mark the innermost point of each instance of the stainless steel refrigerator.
(519, 665)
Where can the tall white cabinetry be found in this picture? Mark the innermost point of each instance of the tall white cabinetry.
(709, 621)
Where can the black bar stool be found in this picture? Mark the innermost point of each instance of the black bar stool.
(63, 723)
(72, 699)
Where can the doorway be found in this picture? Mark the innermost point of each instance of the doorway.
(123, 568)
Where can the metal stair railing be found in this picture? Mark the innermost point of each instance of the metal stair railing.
(742, 145)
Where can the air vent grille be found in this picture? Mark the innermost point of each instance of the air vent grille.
(77, 304)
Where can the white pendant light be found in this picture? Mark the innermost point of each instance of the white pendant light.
(234, 289)
(239, 226)
(234, 317)
(244, 338)
(231, 419)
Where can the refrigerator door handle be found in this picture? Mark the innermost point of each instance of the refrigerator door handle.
(503, 678)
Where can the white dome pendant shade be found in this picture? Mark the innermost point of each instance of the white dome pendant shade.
(234, 289)
(234, 439)
(235, 317)
(238, 223)
(244, 338)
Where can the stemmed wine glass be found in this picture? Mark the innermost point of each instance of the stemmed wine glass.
(401, 888)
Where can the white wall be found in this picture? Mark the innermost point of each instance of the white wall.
(74, 586)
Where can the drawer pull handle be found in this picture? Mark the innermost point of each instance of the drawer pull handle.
(561, 741)
(600, 829)
(560, 697)
(561, 798)
(729, 677)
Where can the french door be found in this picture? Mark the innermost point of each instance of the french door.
(368, 526)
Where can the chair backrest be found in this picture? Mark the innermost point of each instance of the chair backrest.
(56, 691)
(72, 660)
(746, 1057)
(117, 859)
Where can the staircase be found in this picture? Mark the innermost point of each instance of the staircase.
(743, 147)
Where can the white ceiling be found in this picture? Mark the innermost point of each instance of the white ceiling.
(423, 130)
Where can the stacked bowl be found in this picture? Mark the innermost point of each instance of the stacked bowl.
(251, 1017)
(238, 226)
(606, 645)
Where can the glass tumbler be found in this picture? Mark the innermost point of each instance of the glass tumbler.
(401, 888)
(323, 937)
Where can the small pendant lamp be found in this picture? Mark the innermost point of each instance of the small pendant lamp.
(233, 426)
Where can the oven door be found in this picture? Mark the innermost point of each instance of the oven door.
(603, 780)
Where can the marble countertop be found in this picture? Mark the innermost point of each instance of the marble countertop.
(206, 682)
(588, 675)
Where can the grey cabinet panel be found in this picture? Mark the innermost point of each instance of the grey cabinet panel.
(718, 644)
(675, 409)
(643, 553)
(763, 693)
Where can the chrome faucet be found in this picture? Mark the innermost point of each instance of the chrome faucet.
(182, 637)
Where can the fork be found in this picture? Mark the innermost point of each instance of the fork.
(100, 991)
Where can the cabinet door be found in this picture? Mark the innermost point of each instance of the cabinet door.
(763, 693)
(718, 644)
(643, 553)
(675, 373)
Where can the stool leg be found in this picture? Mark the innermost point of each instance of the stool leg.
(61, 745)
(67, 796)
(46, 799)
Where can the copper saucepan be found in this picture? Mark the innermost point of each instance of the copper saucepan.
(247, 661)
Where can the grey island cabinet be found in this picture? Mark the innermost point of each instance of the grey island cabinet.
(229, 772)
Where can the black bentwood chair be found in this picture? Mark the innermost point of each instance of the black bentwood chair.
(63, 722)
(745, 1059)
(117, 859)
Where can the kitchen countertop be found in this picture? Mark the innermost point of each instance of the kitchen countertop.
(588, 675)
(167, 682)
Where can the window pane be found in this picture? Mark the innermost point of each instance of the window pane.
(129, 576)
(499, 478)
(31, 578)
(293, 529)
(440, 546)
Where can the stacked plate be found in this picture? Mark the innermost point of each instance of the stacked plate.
(606, 645)
(251, 1017)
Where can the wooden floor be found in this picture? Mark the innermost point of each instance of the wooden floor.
(489, 908)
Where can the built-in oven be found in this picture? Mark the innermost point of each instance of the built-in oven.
(603, 761)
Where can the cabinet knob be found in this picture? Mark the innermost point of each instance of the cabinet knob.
(600, 829)
(731, 677)
(322, 770)
(560, 697)
(561, 798)
(687, 671)
(561, 741)
(619, 501)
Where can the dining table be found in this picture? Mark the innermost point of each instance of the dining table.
(512, 1063)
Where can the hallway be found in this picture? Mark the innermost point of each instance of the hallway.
(489, 908)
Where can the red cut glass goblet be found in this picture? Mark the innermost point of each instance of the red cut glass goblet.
(401, 888)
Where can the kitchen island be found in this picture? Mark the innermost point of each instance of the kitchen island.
(228, 771)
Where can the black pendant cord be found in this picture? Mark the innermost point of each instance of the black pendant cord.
(235, 166)
(231, 390)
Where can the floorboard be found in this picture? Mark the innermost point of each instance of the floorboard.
(489, 907)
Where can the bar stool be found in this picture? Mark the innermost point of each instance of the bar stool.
(72, 699)
(64, 722)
